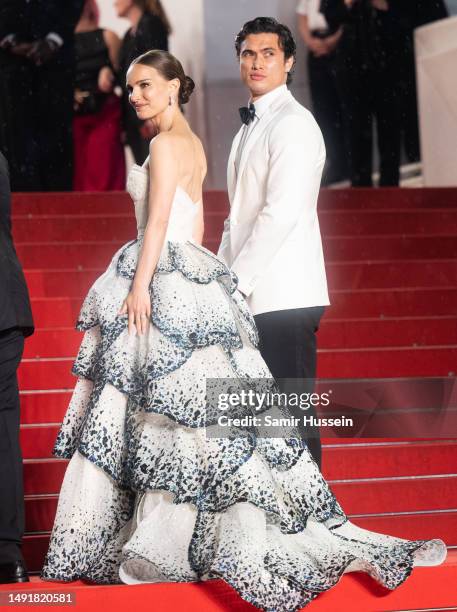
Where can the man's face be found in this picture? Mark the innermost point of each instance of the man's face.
(263, 66)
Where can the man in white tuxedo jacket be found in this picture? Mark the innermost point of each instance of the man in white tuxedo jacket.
(271, 238)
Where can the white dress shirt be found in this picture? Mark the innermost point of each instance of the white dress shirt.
(261, 105)
(311, 8)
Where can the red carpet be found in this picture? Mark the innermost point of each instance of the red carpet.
(392, 268)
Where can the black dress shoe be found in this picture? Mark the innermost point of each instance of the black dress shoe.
(13, 572)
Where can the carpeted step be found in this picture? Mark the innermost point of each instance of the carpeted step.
(40, 512)
(388, 198)
(111, 202)
(44, 406)
(398, 494)
(358, 275)
(97, 254)
(359, 460)
(58, 312)
(390, 274)
(365, 459)
(37, 440)
(61, 283)
(421, 301)
(371, 496)
(399, 331)
(67, 227)
(59, 342)
(385, 362)
(355, 592)
(333, 333)
(419, 526)
(380, 362)
(329, 199)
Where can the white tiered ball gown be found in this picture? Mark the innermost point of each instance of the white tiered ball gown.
(147, 495)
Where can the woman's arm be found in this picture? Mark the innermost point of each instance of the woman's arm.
(303, 28)
(317, 46)
(106, 76)
(163, 174)
(113, 43)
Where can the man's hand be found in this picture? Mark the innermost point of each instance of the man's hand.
(42, 51)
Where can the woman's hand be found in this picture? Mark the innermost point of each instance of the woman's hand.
(106, 80)
(137, 306)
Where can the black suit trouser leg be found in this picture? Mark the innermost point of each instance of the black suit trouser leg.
(54, 130)
(327, 111)
(288, 346)
(354, 87)
(11, 477)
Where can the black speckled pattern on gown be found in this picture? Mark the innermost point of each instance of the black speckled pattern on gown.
(147, 495)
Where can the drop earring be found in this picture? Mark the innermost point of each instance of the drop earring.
(170, 101)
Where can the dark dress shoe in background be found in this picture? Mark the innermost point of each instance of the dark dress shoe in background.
(13, 572)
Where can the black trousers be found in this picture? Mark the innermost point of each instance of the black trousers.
(327, 111)
(36, 114)
(288, 346)
(11, 477)
(409, 109)
(368, 91)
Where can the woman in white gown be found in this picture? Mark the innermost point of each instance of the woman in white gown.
(147, 495)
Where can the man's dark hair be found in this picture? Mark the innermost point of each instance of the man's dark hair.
(262, 25)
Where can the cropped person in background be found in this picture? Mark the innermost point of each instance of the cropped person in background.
(36, 92)
(15, 323)
(426, 11)
(99, 161)
(321, 42)
(369, 60)
(150, 29)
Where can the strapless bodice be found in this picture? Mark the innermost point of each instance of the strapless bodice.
(183, 210)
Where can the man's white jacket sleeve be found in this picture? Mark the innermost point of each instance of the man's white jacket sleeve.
(296, 148)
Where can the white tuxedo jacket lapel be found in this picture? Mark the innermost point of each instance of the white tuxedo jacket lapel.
(231, 174)
(257, 132)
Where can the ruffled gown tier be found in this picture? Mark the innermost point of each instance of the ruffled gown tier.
(147, 495)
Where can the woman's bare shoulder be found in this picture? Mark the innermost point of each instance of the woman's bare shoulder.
(199, 150)
(164, 141)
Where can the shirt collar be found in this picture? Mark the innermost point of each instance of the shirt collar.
(265, 101)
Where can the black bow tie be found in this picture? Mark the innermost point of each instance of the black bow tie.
(247, 113)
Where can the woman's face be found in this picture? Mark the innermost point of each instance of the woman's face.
(122, 7)
(149, 92)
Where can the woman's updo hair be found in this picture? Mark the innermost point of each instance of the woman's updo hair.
(170, 68)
